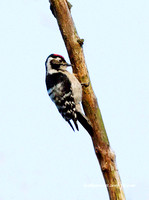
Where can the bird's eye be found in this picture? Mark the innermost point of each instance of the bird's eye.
(55, 64)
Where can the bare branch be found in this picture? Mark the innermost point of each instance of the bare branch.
(105, 156)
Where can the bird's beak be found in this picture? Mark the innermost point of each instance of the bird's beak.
(67, 64)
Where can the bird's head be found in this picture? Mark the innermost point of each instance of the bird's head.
(55, 62)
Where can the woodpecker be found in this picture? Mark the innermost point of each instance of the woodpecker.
(65, 91)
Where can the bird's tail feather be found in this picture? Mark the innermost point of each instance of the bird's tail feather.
(76, 125)
(85, 122)
(70, 125)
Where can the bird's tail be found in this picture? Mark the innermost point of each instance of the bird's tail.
(75, 123)
(85, 122)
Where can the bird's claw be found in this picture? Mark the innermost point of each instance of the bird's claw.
(85, 84)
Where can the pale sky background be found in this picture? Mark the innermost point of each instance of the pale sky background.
(40, 156)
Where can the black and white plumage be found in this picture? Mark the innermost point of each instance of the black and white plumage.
(65, 91)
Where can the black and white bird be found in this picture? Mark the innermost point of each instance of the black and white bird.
(65, 91)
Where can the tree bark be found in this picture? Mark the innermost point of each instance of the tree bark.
(105, 156)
